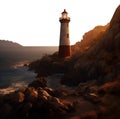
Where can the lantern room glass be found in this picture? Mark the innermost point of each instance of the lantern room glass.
(64, 15)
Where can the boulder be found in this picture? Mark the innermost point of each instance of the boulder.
(31, 94)
(43, 95)
(40, 82)
(50, 91)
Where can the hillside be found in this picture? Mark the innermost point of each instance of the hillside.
(102, 60)
(8, 44)
(90, 38)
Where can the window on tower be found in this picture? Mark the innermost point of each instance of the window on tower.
(67, 35)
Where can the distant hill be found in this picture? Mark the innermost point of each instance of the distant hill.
(9, 44)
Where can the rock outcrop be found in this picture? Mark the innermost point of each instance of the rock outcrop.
(90, 38)
(33, 102)
(40, 82)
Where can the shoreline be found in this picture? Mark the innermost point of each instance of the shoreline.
(15, 78)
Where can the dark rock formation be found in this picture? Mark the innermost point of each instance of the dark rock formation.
(40, 82)
(49, 64)
(33, 102)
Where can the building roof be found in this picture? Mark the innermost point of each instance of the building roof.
(64, 11)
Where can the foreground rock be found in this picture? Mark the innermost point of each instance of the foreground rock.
(87, 101)
(38, 83)
(33, 102)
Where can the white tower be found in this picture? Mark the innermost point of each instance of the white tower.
(64, 45)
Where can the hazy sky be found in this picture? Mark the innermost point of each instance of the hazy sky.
(36, 22)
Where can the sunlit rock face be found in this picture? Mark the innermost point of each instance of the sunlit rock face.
(116, 17)
(111, 40)
(89, 39)
(115, 28)
(102, 38)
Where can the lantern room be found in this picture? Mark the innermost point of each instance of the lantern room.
(64, 15)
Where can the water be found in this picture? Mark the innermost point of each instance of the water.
(20, 76)
(53, 81)
(12, 56)
(13, 73)
(14, 79)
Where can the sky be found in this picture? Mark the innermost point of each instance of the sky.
(36, 22)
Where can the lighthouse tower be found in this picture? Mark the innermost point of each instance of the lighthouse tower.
(64, 44)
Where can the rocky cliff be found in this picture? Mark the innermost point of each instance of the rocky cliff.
(90, 38)
(102, 61)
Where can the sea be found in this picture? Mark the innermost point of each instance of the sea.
(14, 73)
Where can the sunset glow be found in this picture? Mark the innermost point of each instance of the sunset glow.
(36, 22)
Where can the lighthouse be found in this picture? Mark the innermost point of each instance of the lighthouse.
(64, 43)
